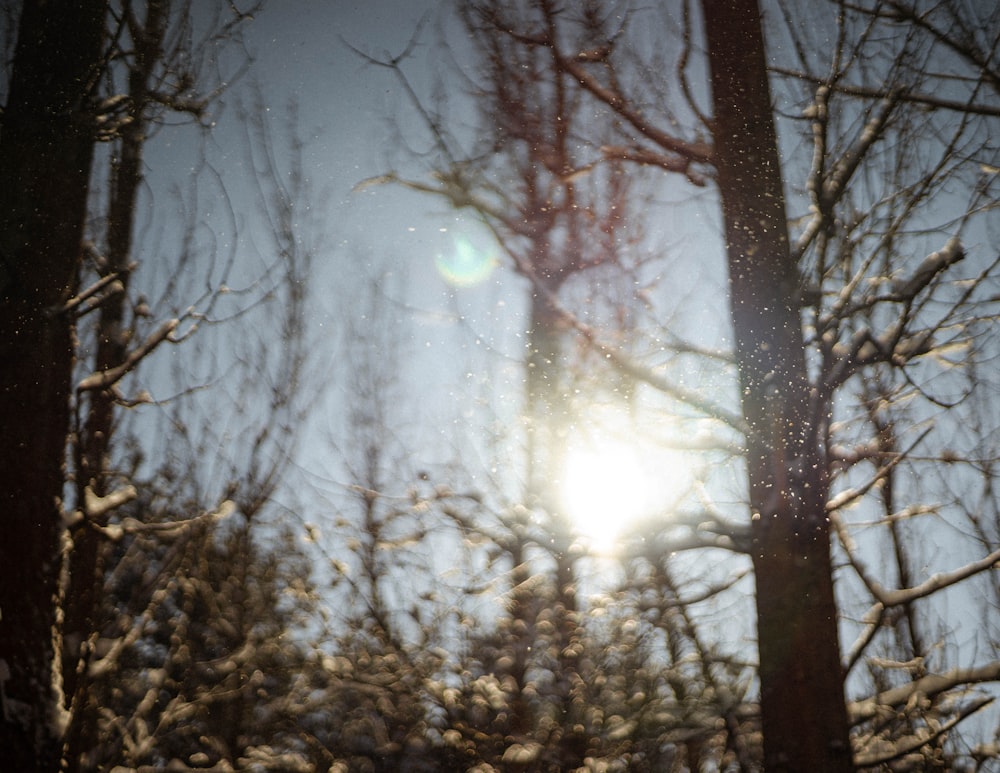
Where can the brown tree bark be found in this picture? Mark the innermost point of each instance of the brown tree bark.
(46, 149)
(802, 691)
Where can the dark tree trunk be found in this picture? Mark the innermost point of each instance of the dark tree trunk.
(85, 568)
(46, 148)
(802, 692)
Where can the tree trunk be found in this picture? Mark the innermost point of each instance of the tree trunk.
(548, 412)
(85, 563)
(802, 691)
(46, 150)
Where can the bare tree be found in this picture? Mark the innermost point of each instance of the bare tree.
(804, 719)
(855, 302)
(159, 59)
(200, 556)
(113, 353)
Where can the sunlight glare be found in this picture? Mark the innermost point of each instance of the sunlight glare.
(603, 488)
(610, 482)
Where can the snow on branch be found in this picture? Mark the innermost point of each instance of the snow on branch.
(105, 378)
(96, 506)
(936, 582)
(896, 344)
(885, 750)
(930, 267)
(172, 528)
(929, 686)
(167, 530)
(849, 495)
(104, 288)
(885, 597)
(872, 622)
(843, 169)
(901, 290)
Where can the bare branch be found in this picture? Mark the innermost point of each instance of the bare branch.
(902, 748)
(912, 97)
(647, 157)
(106, 378)
(936, 582)
(691, 152)
(931, 685)
(968, 52)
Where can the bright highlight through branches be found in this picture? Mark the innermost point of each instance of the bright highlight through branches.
(604, 487)
(610, 483)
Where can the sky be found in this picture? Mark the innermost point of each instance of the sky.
(348, 108)
(437, 268)
(452, 317)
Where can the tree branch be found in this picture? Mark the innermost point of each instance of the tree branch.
(931, 685)
(105, 378)
(901, 748)
(912, 97)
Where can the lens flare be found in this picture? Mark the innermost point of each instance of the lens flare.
(464, 266)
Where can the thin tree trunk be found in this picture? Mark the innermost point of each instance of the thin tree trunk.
(802, 692)
(549, 416)
(46, 150)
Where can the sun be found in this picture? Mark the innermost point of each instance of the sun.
(615, 474)
(605, 485)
